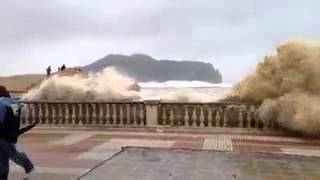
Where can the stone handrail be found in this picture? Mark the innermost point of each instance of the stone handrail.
(147, 113)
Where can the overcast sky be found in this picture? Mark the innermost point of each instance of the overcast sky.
(231, 34)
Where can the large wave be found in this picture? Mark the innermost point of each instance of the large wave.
(287, 85)
(105, 85)
(110, 85)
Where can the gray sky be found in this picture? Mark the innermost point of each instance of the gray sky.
(231, 34)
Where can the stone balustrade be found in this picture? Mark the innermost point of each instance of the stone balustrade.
(147, 113)
(208, 115)
(84, 113)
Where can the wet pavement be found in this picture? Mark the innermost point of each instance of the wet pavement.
(68, 154)
(164, 164)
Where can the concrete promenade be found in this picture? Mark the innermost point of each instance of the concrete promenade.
(68, 154)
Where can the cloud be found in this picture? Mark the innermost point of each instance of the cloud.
(43, 32)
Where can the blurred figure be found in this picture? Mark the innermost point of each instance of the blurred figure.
(9, 132)
(63, 67)
(48, 71)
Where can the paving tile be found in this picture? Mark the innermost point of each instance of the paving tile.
(304, 152)
(73, 138)
(188, 145)
(218, 142)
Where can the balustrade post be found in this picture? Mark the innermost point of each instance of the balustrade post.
(241, 110)
(194, 116)
(225, 116)
(209, 116)
(186, 116)
(201, 119)
(152, 112)
(121, 115)
(218, 117)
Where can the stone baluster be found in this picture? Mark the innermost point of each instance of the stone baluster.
(93, 114)
(88, 114)
(65, 113)
(41, 113)
(209, 116)
(114, 114)
(102, 116)
(62, 114)
(29, 114)
(121, 114)
(49, 115)
(249, 118)
(142, 115)
(73, 114)
(186, 116)
(57, 115)
(176, 115)
(194, 116)
(241, 110)
(138, 114)
(218, 117)
(97, 113)
(100, 113)
(171, 116)
(35, 112)
(57, 111)
(81, 113)
(83, 118)
(70, 107)
(108, 114)
(257, 123)
(71, 120)
(180, 109)
(24, 114)
(59, 119)
(45, 114)
(201, 118)
(134, 114)
(163, 115)
(128, 114)
(225, 116)
(54, 113)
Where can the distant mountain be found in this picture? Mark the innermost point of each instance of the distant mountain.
(144, 68)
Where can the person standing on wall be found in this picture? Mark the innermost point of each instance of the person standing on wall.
(63, 67)
(48, 71)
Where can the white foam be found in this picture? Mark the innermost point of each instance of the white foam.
(182, 84)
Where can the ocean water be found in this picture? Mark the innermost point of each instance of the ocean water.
(183, 91)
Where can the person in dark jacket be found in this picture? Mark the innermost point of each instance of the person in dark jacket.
(9, 132)
(63, 67)
(48, 71)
